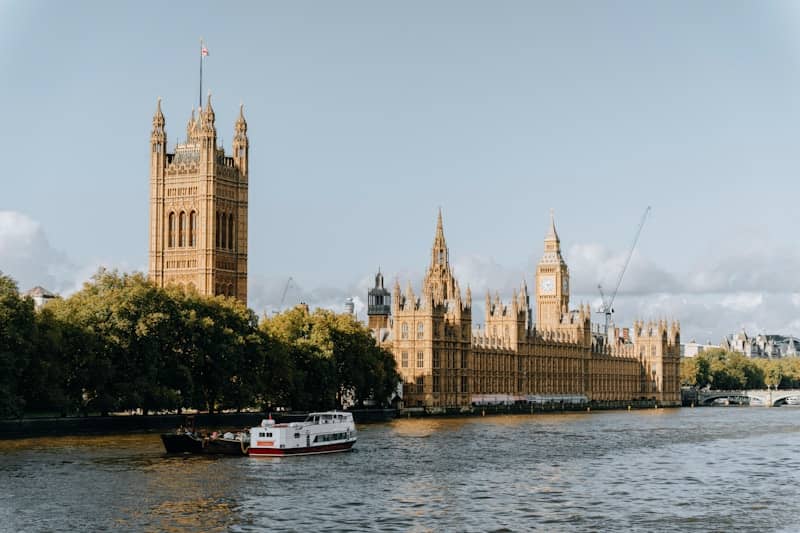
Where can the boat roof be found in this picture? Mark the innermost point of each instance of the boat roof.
(320, 413)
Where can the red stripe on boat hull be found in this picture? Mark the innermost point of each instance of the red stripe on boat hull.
(309, 450)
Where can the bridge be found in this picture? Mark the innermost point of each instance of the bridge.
(767, 398)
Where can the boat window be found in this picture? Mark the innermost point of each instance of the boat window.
(297, 435)
(330, 436)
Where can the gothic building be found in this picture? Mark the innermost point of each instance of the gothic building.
(446, 363)
(198, 207)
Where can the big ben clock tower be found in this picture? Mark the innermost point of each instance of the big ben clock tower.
(552, 281)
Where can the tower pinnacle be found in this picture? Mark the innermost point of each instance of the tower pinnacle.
(552, 235)
(439, 249)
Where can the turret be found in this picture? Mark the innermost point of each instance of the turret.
(241, 145)
(410, 298)
(396, 297)
(191, 128)
(207, 134)
(158, 143)
(379, 304)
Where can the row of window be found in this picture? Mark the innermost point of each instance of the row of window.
(450, 384)
(224, 289)
(404, 330)
(181, 229)
(420, 359)
(225, 231)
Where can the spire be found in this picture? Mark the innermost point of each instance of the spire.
(241, 123)
(439, 250)
(209, 109)
(158, 116)
(552, 235)
(158, 135)
(207, 113)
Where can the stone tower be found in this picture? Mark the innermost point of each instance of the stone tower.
(552, 281)
(432, 334)
(379, 304)
(198, 207)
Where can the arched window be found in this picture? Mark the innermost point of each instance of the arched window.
(230, 232)
(217, 221)
(171, 230)
(182, 229)
(420, 330)
(404, 331)
(224, 231)
(192, 227)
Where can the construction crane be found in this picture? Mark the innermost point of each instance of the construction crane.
(607, 303)
(285, 289)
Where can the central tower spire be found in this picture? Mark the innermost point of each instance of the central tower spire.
(439, 252)
(439, 281)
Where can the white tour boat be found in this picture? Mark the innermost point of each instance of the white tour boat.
(328, 432)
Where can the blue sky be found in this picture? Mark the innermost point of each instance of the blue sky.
(365, 117)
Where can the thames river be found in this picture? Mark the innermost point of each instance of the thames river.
(705, 469)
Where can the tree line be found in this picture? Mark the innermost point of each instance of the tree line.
(725, 370)
(123, 344)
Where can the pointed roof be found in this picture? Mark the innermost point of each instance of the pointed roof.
(552, 235)
(439, 229)
(209, 109)
(158, 119)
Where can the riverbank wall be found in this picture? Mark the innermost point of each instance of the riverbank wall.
(106, 425)
(527, 408)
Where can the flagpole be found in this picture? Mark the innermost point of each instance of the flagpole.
(200, 97)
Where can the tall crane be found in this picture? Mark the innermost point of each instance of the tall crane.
(607, 306)
(285, 288)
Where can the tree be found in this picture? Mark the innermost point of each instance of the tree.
(17, 330)
(773, 373)
(335, 361)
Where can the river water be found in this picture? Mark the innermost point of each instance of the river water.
(705, 469)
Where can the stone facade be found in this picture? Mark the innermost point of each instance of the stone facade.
(444, 363)
(198, 207)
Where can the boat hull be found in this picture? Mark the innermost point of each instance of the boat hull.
(183, 443)
(190, 444)
(308, 450)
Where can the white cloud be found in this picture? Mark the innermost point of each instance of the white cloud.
(756, 287)
(27, 256)
(271, 293)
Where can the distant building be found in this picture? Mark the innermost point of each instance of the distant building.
(444, 363)
(349, 306)
(762, 345)
(40, 296)
(692, 348)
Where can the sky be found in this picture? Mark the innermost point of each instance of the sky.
(366, 117)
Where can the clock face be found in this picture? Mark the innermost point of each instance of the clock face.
(547, 285)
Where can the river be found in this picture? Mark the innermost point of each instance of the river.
(705, 469)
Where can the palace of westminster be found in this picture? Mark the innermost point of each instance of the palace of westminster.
(198, 237)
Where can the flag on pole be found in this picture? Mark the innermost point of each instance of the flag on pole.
(204, 51)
